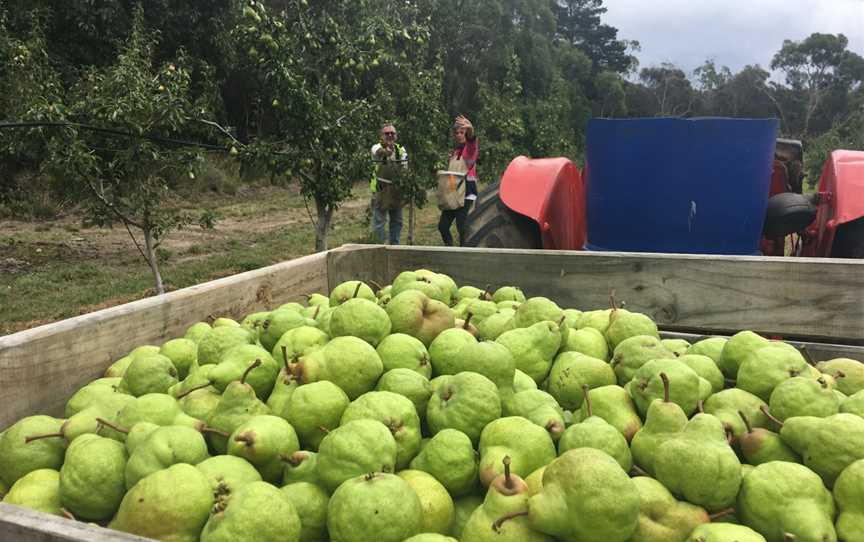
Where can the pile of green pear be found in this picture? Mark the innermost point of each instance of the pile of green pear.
(427, 412)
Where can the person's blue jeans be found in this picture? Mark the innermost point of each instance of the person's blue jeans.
(379, 218)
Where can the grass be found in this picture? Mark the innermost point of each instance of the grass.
(58, 269)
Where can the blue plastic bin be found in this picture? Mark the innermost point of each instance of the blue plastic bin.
(678, 185)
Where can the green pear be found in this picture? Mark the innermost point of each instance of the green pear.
(254, 321)
(463, 509)
(89, 394)
(571, 371)
(137, 434)
(711, 347)
(586, 496)
(535, 310)
(400, 351)
(196, 331)
(449, 456)
(444, 350)
(594, 432)
(727, 404)
(357, 447)
(433, 291)
(37, 490)
(314, 409)
(724, 532)
(678, 347)
(478, 310)
(613, 404)
(849, 495)
(200, 403)
(738, 347)
(198, 378)
(491, 327)
(663, 421)
(18, 455)
(183, 353)
(469, 292)
(588, 341)
(238, 404)
(164, 447)
(624, 324)
(465, 401)
(522, 382)
(490, 359)
(571, 317)
(349, 362)
(277, 324)
(430, 537)
(170, 504)
(283, 388)
(156, 408)
(828, 445)
(647, 385)
(92, 478)
(760, 445)
(528, 445)
(152, 373)
(360, 318)
(224, 321)
(854, 404)
(436, 503)
(228, 473)
(87, 421)
(501, 516)
(597, 319)
(394, 411)
(764, 368)
(800, 396)
(257, 512)
(705, 367)
(409, 384)
(235, 363)
(218, 340)
(661, 517)
(318, 300)
(310, 501)
(849, 374)
(301, 466)
(634, 352)
(508, 293)
(263, 441)
(540, 408)
(535, 481)
(698, 465)
(349, 290)
(786, 501)
(296, 343)
(533, 347)
(374, 506)
(413, 313)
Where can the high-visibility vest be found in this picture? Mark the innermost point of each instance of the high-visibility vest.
(387, 166)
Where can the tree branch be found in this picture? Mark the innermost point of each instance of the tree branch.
(221, 129)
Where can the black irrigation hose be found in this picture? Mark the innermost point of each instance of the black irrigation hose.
(157, 139)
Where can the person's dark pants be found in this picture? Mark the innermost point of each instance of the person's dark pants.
(446, 221)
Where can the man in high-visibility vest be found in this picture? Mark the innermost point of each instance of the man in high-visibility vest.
(391, 159)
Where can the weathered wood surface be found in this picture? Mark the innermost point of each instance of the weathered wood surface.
(820, 299)
(358, 262)
(816, 351)
(23, 525)
(42, 367)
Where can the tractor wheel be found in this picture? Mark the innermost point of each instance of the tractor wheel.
(492, 224)
(849, 240)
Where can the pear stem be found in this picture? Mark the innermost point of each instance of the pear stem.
(613, 304)
(700, 406)
(789, 537)
(245, 439)
(823, 382)
(294, 459)
(508, 481)
(285, 356)
(468, 318)
(665, 380)
(315, 314)
(31, 438)
(721, 513)
(67, 514)
(746, 422)
(253, 365)
(213, 430)
(110, 425)
(323, 429)
(764, 409)
(638, 471)
(190, 390)
(586, 390)
(839, 374)
(357, 290)
(375, 285)
(486, 295)
(496, 526)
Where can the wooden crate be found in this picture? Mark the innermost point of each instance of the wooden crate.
(820, 302)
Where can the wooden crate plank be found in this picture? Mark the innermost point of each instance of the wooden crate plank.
(357, 262)
(41, 368)
(23, 525)
(817, 351)
(821, 299)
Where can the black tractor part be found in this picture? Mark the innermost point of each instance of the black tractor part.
(788, 213)
(849, 240)
(491, 224)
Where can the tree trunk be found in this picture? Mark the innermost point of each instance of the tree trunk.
(150, 253)
(322, 228)
(411, 222)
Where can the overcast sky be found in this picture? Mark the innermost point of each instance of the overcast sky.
(733, 32)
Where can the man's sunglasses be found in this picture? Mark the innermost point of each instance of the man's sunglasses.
(390, 133)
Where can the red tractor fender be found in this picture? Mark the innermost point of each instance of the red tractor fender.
(550, 192)
(841, 200)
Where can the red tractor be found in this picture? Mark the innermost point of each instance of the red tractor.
(663, 185)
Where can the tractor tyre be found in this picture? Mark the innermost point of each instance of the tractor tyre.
(491, 224)
(849, 240)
